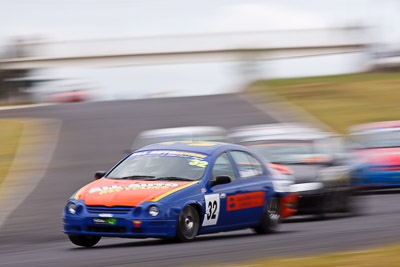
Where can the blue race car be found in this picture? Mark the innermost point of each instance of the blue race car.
(374, 150)
(176, 190)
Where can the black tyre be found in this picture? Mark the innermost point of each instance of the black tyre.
(270, 219)
(84, 240)
(188, 224)
(332, 202)
(356, 205)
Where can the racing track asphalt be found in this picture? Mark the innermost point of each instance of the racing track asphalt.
(93, 137)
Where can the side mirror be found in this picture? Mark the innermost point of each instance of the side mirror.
(223, 179)
(99, 174)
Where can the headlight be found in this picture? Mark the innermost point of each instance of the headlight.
(71, 207)
(281, 185)
(153, 210)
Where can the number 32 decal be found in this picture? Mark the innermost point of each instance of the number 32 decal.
(198, 163)
(212, 209)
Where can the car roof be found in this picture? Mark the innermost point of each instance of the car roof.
(374, 126)
(287, 137)
(281, 125)
(274, 131)
(207, 148)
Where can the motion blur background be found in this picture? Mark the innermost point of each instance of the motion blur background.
(169, 63)
(77, 29)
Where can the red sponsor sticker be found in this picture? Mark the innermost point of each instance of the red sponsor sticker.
(245, 201)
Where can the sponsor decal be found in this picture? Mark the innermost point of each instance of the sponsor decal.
(110, 221)
(117, 188)
(194, 159)
(245, 201)
(169, 153)
(190, 154)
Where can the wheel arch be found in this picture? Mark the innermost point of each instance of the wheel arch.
(198, 208)
(277, 195)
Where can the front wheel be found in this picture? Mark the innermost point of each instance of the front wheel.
(188, 224)
(270, 219)
(84, 240)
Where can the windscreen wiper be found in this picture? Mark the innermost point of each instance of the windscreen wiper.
(137, 177)
(172, 178)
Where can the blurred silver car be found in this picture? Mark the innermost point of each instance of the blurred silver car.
(191, 133)
(282, 176)
(315, 157)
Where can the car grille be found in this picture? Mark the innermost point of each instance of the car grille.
(111, 210)
(106, 229)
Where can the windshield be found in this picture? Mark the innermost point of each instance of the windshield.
(378, 140)
(291, 152)
(161, 165)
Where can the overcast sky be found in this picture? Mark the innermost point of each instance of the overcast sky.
(103, 19)
(87, 19)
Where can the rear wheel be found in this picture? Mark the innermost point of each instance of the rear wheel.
(188, 224)
(332, 202)
(356, 205)
(84, 240)
(270, 220)
(327, 205)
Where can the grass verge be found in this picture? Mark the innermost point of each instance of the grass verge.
(9, 139)
(340, 100)
(388, 256)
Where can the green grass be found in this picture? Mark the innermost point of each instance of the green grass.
(16, 103)
(9, 138)
(341, 100)
(388, 256)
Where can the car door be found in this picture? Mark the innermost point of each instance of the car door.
(254, 186)
(217, 215)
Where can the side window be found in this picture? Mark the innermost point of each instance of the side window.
(248, 165)
(223, 166)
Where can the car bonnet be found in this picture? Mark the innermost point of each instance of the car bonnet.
(113, 192)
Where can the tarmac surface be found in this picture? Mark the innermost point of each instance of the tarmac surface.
(94, 136)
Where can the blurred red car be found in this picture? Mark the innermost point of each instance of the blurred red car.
(283, 179)
(72, 96)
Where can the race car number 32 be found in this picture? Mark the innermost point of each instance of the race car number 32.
(212, 209)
